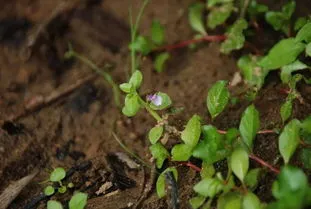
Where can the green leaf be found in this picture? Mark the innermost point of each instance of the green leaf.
(252, 73)
(231, 135)
(62, 189)
(49, 190)
(195, 16)
(160, 61)
(181, 152)
(252, 178)
(219, 15)
(160, 185)
(57, 174)
(254, 9)
(197, 201)
(207, 171)
(78, 201)
(157, 32)
(52, 204)
(249, 125)
(126, 87)
(208, 187)
(306, 158)
(304, 34)
(308, 49)
(211, 3)
(229, 201)
(155, 134)
(142, 44)
(251, 201)
(289, 139)
(159, 153)
(280, 20)
(131, 105)
(211, 149)
(235, 37)
(286, 110)
(165, 102)
(239, 163)
(286, 71)
(300, 22)
(191, 134)
(136, 79)
(217, 98)
(281, 54)
(291, 188)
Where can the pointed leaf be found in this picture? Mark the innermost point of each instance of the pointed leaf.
(126, 87)
(252, 178)
(289, 139)
(249, 125)
(208, 187)
(239, 163)
(286, 71)
(217, 98)
(160, 61)
(281, 54)
(160, 185)
(196, 11)
(191, 134)
(197, 201)
(304, 34)
(286, 110)
(219, 15)
(181, 152)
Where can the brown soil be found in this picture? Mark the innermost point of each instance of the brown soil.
(76, 128)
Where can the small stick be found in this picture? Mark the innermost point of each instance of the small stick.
(40, 101)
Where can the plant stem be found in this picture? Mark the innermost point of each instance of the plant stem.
(263, 163)
(134, 32)
(259, 132)
(182, 44)
(191, 165)
(153, 113)
(129, 151)
(107, 76)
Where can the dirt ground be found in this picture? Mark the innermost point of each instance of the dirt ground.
(75, 130)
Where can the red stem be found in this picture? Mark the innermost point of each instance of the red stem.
(215, 38)
(192, 166)
(259, 132)
(263, 163)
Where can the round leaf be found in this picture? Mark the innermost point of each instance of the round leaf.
(239, 163)
(136, 79)
(157, 32)
(49, 190)
(217, 98)
(249, 125)
(126, 87)
(155, 134)
(62, 189)
(252, 178)
(52, 204)
(131, 105)
(164, 103)
(219, 15)
(159, 152)
(160, 185)
(78, 201)
(57, 175)
(208, 187)
(160, 61)
(289, 139)
(229, 201)
(197, 201)
(251, 201)
(181, 152)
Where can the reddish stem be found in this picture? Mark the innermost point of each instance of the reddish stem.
(215, 38)
(259, 132)
(191, 165)
(263, 163)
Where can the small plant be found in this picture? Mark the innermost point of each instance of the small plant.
(208, 144)
(78, 200)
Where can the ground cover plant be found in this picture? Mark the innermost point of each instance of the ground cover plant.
(240, 162)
